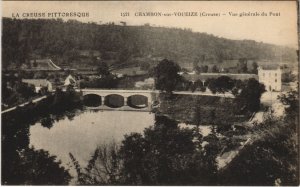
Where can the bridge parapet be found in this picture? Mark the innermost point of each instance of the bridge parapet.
(124, 93)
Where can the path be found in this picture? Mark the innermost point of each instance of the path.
(228, 95)
(227, 157)
(23, 104)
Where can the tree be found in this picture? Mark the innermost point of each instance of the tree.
(197, 118)
(291, 101)
(104, 167)
(26, 90)
(34, 63)
(221, 84)
(214, 69)
(166, 75)
(103, 69)
(167, 154)
(124, 55)
(39, 168)
(105, 55)
(204, 69)
(270, 157)
(196, 67)
(288, 77)
(33, 167)
(242, 65)
(254, 67)
(249, 97)
(145, 66)
(237, 87)
(199, 85)
(163, 154)
(212, 116)
(47, 122)
(109, 81)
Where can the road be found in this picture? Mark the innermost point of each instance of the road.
(228, 95)
(23, 104)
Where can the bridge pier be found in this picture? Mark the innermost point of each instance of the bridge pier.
(102, 100)
(125, 101)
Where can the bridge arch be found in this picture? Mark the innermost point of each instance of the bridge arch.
(92, 100)
(137, 101)
(120, 99)
(114, 100)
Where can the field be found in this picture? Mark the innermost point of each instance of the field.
(211, 109)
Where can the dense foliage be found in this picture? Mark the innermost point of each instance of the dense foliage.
(164, 154)
(249, 97)
(109, 81)
(166, 75)
(62, 41)
(221, 84)
(14, 91)
(272, 156)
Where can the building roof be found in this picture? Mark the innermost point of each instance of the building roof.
(70, 80)
(43, 64)
(37, 82)
(269, 67)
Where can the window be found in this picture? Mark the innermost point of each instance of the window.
(275, 80)
(275, 74)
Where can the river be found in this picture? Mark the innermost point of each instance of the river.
(81, 135)
(89, 129)
(78, 132)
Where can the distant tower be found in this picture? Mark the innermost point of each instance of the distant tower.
(271, 78)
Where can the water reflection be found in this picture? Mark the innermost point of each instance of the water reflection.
(81, 135)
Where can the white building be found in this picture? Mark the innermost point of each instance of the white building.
(70, 80)
(270, 77)
(39, 84)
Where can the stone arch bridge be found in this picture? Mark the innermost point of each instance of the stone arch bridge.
(131, 100)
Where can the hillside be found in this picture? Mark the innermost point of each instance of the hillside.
(66, 43)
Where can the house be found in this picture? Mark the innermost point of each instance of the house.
(70, 80)
(270, 77)
(39, 84)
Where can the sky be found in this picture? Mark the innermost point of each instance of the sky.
(280, 30)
